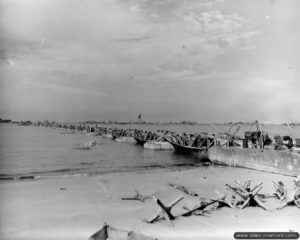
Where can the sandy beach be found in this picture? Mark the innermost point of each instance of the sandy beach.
(76, 207)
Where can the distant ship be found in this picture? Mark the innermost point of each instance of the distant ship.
(25, 123)
(5, 120)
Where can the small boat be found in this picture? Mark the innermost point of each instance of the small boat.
(191, 143)
(117, 133)
(140, 141)
(142, 137)
(158, 145)
(125, 139)
(259, 152)
(185, 149)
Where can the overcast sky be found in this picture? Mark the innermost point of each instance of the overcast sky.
(170, 60)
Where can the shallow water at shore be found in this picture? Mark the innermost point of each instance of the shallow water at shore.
(47, 151)
(41, 151)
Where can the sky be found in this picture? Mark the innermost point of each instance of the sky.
(168, 60)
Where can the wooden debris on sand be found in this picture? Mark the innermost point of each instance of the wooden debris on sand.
(199, 209)
(110, 233)
(183, 189)
(101, 234)
(137, 196)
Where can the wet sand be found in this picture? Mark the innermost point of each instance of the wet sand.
(76, 207)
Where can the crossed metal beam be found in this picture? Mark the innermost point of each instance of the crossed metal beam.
(247, 194)
(165, 211)
(287, 196)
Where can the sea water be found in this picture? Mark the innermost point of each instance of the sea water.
(32, 150)
(46, 151)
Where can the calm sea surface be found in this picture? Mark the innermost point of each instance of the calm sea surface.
(47, 151)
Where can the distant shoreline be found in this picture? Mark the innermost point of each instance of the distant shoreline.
(183, 123)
